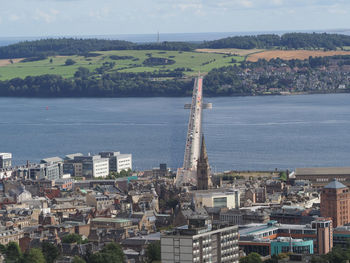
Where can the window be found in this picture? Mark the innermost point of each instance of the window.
(220, 202)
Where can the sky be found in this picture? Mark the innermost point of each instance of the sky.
(109, 17)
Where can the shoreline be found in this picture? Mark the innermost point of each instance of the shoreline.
(185, 96)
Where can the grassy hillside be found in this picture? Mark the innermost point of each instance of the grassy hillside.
(195, 61)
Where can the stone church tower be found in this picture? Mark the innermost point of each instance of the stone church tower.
(203, 169)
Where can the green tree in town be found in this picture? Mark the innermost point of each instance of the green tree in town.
(111, 253)
(77, 259)
(73, 238)
(35, 255)
(13, 253)
(153, 252)
(251, 258)
(50, 251)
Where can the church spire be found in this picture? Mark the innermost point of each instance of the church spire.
(203, 169)
(203, 154)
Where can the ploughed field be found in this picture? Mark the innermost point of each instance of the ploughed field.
(293, 54)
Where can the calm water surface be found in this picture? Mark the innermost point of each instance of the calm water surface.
(255, 133)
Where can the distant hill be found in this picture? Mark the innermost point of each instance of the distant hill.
(70, 46)
(288, 40)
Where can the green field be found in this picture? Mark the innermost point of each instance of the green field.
(196, 61)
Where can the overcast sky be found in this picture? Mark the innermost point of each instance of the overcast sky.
(107, 17)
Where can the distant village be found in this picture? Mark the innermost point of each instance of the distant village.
(80, 203)
(282, 77)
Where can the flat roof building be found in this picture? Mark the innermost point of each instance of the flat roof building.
(199, 242)
(5, 160)
(117, 161)
(321, 176)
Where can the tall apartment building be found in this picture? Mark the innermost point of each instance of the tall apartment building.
(5, 160)
(335, 203)
(324, 228)
(200, 242)
(117, 161)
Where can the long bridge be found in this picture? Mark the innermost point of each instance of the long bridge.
(187, 175)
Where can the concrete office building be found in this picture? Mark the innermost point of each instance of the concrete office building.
(335, 203)
(49, 171)
(54, 160)
(5, 160)
(199, 242)
(261, 238)
(229, 198)
(117, 161)
(93, 166)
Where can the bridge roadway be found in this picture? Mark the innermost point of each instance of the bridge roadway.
(187, 174)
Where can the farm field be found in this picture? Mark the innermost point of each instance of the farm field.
(293, 54)
(231, 51)
(195, 61)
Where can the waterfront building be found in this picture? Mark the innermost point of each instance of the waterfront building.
(49, 171)
(117, 161)
(5, 160)
(203, 169)
(87, 166)
(200, 242)
(335, 203)
(321, 176)
(54, 160)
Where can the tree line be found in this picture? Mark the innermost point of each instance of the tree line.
(39, 49)
(288, 41)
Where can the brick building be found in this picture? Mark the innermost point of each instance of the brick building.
(335, 203)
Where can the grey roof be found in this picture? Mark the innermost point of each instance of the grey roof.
(52, 160)
(323, 171)
(335, 185)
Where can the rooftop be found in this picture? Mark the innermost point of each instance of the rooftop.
(323, 171)
(112, 220)
(335, 185)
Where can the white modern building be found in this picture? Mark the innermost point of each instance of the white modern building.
(87, 166)
(5, 160)
(198, 242)
(229, 198)
(117, 161)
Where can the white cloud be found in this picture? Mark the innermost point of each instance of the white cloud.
(14, 17)
(277, 2)
(49, 16)
(336, 9)
(101, 13)
(246, 3)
